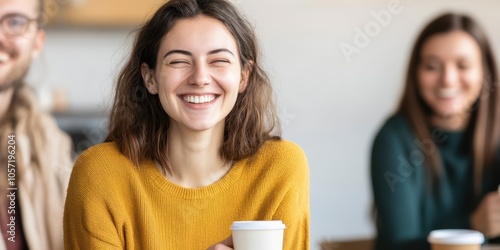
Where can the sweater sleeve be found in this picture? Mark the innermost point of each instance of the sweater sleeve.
(294, 209)
(396, 190)
(88, 219)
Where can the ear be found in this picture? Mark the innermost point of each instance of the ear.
(38, 44)
(149, 80)
(245, 75)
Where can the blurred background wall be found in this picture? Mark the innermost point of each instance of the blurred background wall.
(331, 103)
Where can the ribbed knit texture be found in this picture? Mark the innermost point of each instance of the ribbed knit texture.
(111, 204)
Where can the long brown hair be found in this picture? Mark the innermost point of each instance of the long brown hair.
(484, 122)
(138, 123)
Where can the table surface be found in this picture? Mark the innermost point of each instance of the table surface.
(491, 247)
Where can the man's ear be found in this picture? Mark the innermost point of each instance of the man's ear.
(149, 80)
(245, 75)
(38, 44)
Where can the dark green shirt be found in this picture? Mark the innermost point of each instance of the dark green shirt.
(408, 206)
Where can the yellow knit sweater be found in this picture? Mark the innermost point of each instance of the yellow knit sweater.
(113, 205)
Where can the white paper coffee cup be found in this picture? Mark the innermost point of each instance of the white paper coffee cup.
(455, 239)
(258, 235)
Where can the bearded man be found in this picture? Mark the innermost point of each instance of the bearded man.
(35, 155)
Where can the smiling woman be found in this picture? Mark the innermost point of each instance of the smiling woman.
(434, 161)
(188, 71)
(193, 131)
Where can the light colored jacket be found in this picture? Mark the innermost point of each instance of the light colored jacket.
(43, 166)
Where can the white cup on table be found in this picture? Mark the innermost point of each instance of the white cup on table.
(455, 239)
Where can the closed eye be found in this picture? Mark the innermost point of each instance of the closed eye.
(431, 67)
(463, 67)
(177, 62)
(221, 61)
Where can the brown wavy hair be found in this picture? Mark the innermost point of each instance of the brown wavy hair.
(484, 123)
(138, 123)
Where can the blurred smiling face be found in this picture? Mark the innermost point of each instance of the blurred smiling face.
(198, 74)
(450, 73)
(20, 39)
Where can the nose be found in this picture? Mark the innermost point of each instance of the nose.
(450, 76)
(200, 75)
(5, 39)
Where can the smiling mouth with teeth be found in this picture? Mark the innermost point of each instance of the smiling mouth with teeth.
(447, 93)
(198, 99)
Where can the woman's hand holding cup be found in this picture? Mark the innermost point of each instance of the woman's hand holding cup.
(226, 244)
(486, 217)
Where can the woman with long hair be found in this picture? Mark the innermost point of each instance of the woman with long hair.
(433, 162)
(194, 143)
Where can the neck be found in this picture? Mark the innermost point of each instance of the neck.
(194, 156)
(451, 123)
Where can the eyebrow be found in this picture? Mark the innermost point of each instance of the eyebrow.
(187, 53)
(215, 51)
(436, 58)
(429, 56)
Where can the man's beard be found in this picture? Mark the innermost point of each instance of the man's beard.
(16, 76)
(15, 83)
